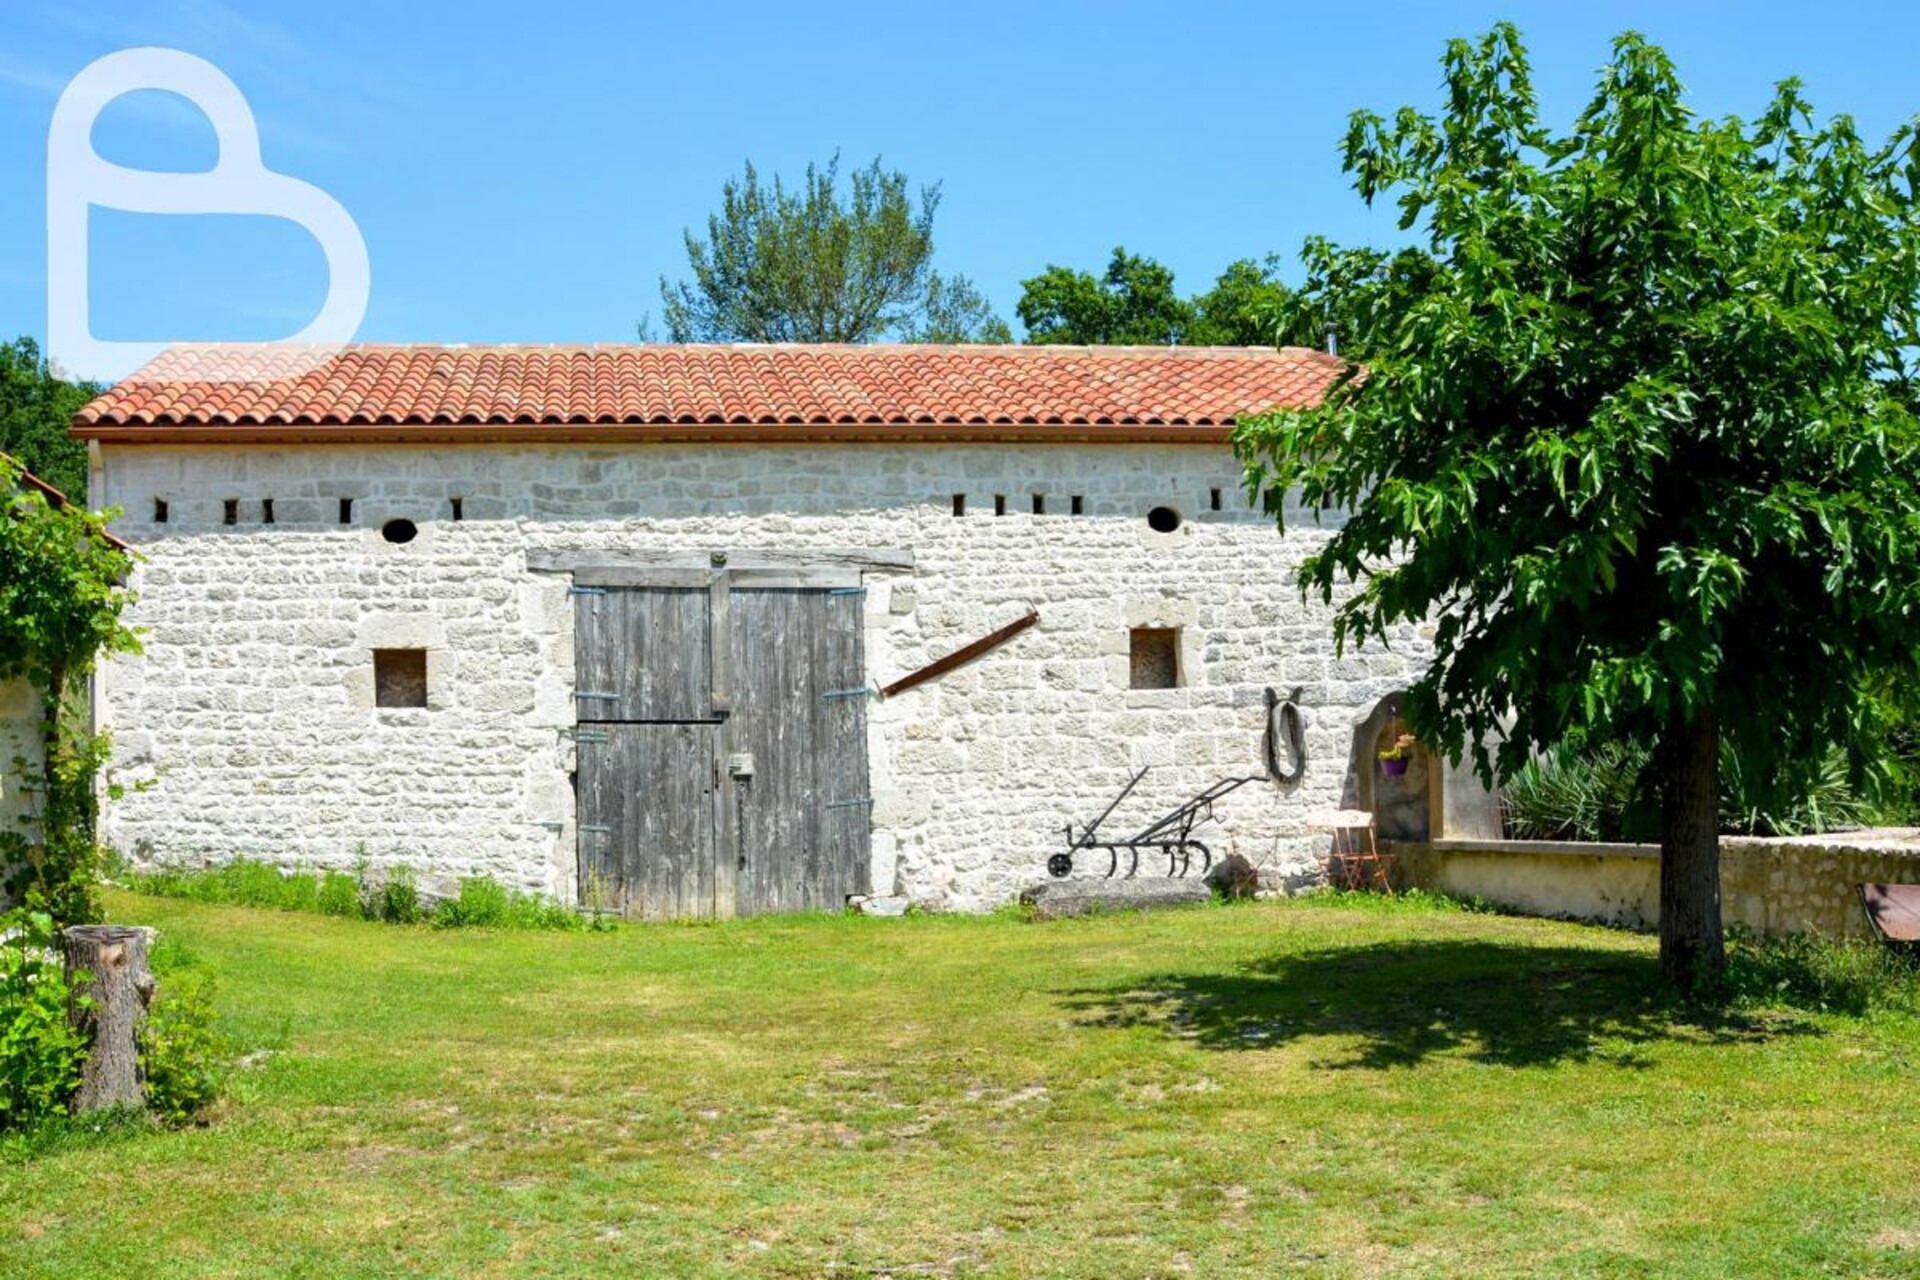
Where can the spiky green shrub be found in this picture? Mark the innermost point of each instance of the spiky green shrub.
(1575, 795)
(1755, 803)
(1609, 793)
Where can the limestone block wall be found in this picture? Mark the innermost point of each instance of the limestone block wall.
(250, 717)
(19, 749)
(1792, 885)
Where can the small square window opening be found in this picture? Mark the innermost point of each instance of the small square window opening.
(1155, 658)
(399, 677)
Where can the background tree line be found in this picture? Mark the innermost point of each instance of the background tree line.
(827, 261)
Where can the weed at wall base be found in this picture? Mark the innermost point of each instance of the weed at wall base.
(392, 896)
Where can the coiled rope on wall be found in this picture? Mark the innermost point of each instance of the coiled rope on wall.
(1283, 720)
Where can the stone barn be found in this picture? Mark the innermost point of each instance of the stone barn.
(713, 630)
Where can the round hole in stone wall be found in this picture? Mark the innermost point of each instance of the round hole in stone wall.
(399, 531)
(1163, 519)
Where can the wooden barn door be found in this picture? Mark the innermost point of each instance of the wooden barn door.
(722, 741)
(801, 832)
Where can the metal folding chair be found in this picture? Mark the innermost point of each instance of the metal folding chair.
(1350, 864)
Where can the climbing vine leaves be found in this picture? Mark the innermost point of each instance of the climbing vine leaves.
(62, 592)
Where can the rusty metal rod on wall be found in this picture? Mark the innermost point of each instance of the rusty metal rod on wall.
(960, 657)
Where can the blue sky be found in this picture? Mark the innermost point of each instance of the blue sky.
(523, 172)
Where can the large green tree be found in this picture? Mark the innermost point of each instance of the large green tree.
(1635, 435)
(36, 409)
(823, 264)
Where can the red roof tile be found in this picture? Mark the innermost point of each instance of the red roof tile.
(765, 386)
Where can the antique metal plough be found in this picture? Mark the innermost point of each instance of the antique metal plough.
(1171, 834)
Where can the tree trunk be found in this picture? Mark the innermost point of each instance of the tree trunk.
(120, 987)
(1692, 947)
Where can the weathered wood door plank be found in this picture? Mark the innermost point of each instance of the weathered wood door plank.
(641, 654)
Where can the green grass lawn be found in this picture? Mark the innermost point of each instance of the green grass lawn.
(1286, 1088)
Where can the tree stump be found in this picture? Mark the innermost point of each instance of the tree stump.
(119, 987)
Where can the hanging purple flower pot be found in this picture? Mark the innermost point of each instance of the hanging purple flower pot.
(1393, 766)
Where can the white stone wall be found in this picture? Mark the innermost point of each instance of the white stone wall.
(20, 754)
(250, 721)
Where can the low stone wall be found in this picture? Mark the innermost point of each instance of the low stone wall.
(1795, 885)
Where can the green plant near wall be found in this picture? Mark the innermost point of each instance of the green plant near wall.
(62, 593)
(1610, 792)
(41, 1052)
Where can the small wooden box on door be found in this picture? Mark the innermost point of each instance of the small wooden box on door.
(722, 740)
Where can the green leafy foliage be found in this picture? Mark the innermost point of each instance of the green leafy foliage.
(62, 591)
(1135, 303)
(395, 898)
(41, 1053)
(338, 894)
(484, 902)
(814, 265)
(183, 1053)
(36, 409)
(1636, 434)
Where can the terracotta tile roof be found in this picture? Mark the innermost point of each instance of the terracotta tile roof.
(878, 386)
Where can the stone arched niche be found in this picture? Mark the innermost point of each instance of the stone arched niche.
(1402, 807)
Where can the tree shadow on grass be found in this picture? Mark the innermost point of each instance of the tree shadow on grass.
(1405, 1002)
